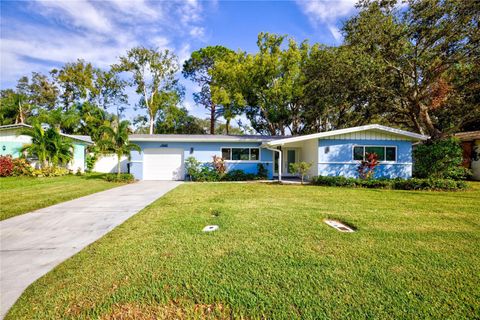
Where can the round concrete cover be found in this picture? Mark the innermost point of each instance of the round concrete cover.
(210, 228)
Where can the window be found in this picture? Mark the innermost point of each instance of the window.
(380, 151)
(226, 153)
(255, 154)
(391, 154)
(383, 153)
(358, 153)
(241, 154)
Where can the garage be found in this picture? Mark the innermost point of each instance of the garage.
(163, 164)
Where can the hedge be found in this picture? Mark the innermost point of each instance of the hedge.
(397, 184)
(123, 177)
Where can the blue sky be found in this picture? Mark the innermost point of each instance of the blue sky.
(40, 35)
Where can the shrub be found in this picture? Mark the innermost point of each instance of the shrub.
(123, 177)
(207, 174)
(193, 167)
(262, 172)
(335, 181)
(300, 168)
(219, 165)
(51, 172)
(6, 166)
(238, 175)
(398, 184)
(429, 184)
(21, 167)
(90, 160)
(366, 169)
(216, 171)
(440, 159)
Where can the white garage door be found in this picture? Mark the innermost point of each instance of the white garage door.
(163, 164)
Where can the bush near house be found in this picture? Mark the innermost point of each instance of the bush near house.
(21, 167)
(366, 169)
(6, 166)
(216, 171)
(440, 159)
(300, 168)
(51, 172)
(123, 177)
(238, 175)
(15, 167)
(397, 184)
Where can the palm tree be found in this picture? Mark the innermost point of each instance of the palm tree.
(49, 146)
(60, 148)
(39, 145)
(115, 140)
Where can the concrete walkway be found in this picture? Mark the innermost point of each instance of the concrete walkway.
(34, 243)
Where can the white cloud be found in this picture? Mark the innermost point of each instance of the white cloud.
(197, 32)
(327, 12)
(160, 42)
(335, 33)
(184, 53)
(137, 8)
(80, 13)
(97, 31)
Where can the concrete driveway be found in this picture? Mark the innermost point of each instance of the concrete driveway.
(34, 243)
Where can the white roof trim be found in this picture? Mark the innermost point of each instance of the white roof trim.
(176, 139)
(407, 134)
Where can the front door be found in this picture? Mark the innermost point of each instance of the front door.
(291, 158)
(289, 155)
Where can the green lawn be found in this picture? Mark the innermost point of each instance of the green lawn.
(23, 194)
(414, 255)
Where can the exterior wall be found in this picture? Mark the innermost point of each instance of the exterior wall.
(310, 154)
(335, 158)
(108, 164)
(78, 157)
(203, 152)
(12, 143)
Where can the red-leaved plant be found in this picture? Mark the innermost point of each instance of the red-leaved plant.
(366, 169)
(6, 166)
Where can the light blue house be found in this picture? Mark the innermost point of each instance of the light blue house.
(11, 141)
(333, 153)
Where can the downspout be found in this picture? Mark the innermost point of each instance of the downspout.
(279, 161)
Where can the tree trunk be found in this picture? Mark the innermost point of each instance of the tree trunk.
(213, 108)
(227, 126)
(425, 116)
(151, 125)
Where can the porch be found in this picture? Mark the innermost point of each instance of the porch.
(284, 154)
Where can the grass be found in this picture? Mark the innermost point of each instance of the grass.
(23, 194)
(415, 255)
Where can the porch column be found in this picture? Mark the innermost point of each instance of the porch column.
(279, 165)
(279, 161)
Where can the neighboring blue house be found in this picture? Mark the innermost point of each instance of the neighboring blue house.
(11, 141)
(333, 153)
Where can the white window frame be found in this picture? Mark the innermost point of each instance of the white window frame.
(378, 146)
(249, 154)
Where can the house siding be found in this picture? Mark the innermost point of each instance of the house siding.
(12, 143)
(78, 157)
(204, 152)
(335, 158)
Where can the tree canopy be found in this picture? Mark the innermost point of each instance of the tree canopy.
(419, 70)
